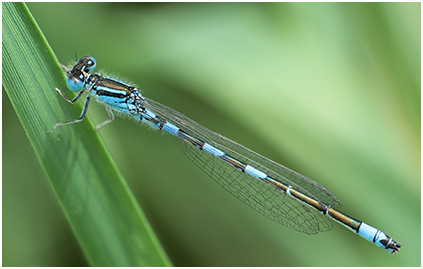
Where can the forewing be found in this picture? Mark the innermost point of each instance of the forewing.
(263, 197)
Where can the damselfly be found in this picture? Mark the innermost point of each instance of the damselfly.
(272, 189)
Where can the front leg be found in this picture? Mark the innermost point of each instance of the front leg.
(72, 101)
(81, 117)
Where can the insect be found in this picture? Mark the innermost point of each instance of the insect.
(272, 189)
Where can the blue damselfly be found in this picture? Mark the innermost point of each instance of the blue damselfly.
(272, 189)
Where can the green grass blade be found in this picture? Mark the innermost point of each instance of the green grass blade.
(103, 214)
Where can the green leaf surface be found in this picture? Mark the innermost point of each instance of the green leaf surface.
(101, 210)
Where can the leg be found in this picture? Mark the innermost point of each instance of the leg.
(69, 100)
(81, 117)
(109, 120)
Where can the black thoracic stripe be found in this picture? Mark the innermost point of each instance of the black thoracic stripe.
(194, 141)
(115, 84)
(113, 94)
(234, 162)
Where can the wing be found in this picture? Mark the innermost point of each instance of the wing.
(263, 197)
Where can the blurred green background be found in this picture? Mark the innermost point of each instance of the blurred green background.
(330, 90)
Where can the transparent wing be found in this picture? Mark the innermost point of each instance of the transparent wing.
(263, 197)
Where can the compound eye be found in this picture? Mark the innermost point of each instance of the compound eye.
(75, 83)
(91, 64)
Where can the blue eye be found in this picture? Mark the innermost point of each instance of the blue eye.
(75, 83)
